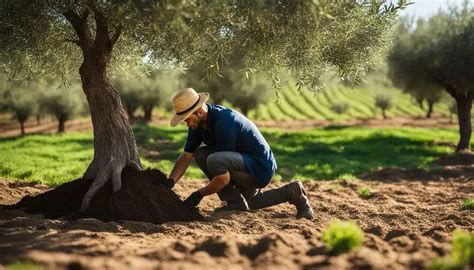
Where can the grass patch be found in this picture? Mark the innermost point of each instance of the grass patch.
(321, 154)
(24, 266)
(341, 236)
(462, 253)
(365, 192)
(467, 204)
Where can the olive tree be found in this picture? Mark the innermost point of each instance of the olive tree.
(63, 104)
(439, 53)
(56, 36)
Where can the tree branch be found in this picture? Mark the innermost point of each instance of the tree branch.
(80, 27)
(76, 41)
(102, 31)
(116, 35)
(85, 14)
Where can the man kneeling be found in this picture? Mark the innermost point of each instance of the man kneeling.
(237, 159)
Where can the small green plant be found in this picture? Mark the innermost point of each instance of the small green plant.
(462, 253)
(340, 236)
(24, 266)
(467, 204)
(365, 192)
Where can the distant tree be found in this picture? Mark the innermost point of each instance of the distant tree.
(22, 101)
(439, 54)
(248, 91)
(157, 89)
(129, 89)
(453, 110)
(307, 36)
(63, 104)
(340, 107)
(384, 102)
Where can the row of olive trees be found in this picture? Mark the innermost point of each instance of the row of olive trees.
(40, 98)
(438, 55)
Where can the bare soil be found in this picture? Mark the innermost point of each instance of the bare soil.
(409, 221)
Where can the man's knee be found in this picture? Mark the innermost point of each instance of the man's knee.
(216, 164)
(201, 154)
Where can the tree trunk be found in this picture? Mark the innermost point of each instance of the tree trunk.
(148, 111)
(383, 114)
(22, 127)
(38, 119)
(114, 142)
(430, 109)
(464, 105)
(61, 124)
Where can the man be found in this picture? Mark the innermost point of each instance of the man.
(236, 158)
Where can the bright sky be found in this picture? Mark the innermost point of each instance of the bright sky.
(426, 8)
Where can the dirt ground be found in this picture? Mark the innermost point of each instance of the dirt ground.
(409, 221)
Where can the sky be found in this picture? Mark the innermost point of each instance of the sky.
(426, 8)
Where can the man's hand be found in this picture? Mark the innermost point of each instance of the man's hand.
(194, 199)
(169, 183)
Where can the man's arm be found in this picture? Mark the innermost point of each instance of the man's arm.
(181, 165)
(217, 183)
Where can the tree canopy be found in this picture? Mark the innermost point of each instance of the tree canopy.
(308, 37)
(439, 53)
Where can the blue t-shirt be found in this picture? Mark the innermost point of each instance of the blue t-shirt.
(228, 130)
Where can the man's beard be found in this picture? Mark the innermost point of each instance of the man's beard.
(199, 124)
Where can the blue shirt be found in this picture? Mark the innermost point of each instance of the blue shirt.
(228, 130)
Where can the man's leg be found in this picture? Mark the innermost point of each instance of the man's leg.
(215, 163)
(293, 193)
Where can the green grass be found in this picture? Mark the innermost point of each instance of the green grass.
(462, 253)
(340, 237)
(467, 204)
(334, 152)
(365, 192)
(24, 266)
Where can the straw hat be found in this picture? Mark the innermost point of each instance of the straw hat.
(185, 102)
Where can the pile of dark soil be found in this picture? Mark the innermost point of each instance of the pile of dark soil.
(141, 198)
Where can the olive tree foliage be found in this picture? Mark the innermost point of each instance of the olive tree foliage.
(439, 54)
(410, 81)
(244, 90)
(96, 37)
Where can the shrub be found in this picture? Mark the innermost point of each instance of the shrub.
(340, 107)
(462, 253)
(467, 204)
(340, 237)
(365, 192)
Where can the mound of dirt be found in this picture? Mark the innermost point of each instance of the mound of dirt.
(141, 198)
(464, 159)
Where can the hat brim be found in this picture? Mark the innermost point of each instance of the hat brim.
(176, 119)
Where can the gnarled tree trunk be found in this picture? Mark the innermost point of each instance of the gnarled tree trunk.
(114, 142)
(464, 106)
(430, 109)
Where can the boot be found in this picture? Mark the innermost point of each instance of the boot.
(299, 199)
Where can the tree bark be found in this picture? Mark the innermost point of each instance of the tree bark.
(61, 124)
(464, 104)
(430, 109)
(114, 142)
(22, 128)
(148, 111)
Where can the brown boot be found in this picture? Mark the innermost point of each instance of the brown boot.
(299, 198)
